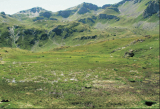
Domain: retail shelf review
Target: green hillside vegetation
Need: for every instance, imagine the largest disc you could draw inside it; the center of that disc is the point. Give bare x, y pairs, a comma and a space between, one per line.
111, 11
82, 57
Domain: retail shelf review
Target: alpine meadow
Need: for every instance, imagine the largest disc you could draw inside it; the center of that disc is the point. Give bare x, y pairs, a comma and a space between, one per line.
82, 57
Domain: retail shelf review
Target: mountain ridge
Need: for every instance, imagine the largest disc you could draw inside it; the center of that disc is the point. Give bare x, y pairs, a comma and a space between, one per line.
89, 7
41, 28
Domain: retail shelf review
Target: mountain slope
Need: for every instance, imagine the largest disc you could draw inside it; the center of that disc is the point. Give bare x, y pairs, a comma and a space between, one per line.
38, 28
80, 9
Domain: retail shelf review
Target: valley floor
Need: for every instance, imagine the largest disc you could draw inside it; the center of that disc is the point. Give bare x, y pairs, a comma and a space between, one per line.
97, 75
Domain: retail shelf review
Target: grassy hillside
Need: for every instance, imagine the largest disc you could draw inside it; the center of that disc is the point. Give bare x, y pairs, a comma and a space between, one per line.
93, 20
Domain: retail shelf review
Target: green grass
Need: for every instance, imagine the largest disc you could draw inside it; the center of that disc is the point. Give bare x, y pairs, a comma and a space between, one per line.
110, 11
142, 5
82, 76
153, 18
74, 72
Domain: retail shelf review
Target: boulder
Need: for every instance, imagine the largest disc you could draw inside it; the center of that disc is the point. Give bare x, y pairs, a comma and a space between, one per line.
129, 54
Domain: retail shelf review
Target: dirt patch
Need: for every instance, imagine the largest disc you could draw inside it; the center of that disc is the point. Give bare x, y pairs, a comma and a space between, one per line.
24, 62
28, 93
122, 99
35, 79
109, 84
12, 84
2, 62
27, 105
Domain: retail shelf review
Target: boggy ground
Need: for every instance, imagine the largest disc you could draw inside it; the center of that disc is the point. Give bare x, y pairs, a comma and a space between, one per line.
90, 76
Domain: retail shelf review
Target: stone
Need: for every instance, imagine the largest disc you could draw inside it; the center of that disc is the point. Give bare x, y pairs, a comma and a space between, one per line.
129, 54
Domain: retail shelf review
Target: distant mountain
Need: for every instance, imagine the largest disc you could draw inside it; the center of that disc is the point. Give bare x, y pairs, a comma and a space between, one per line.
92, 9
80, 9
38, 28
37, 13
33, 12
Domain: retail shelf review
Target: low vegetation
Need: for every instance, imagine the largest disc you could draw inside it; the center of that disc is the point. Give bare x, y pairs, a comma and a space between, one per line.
82, 57
83, 76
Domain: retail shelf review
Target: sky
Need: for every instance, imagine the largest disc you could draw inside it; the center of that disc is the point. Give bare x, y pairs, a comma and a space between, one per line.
14, 6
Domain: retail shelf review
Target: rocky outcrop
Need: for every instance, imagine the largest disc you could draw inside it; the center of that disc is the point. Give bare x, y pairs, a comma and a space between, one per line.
80, 9
129, 54
153, 8
93, 19
90, 6
44, 37
19, 36
137, 1
3, 14
114, 8
53, 19
105, 16
66, 13
86, 20
68, 30
33, 10
58, 30
46, 14
38, 18
105, 6
87, 7
86, 37
65, 30
120, 3
83, 10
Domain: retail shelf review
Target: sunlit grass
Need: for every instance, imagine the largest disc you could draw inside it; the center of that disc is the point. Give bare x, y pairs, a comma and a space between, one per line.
82, 76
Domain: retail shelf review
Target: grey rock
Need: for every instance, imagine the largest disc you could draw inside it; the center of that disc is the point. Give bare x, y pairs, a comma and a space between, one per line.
137, 1
105, 16
129, 54
153, 8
